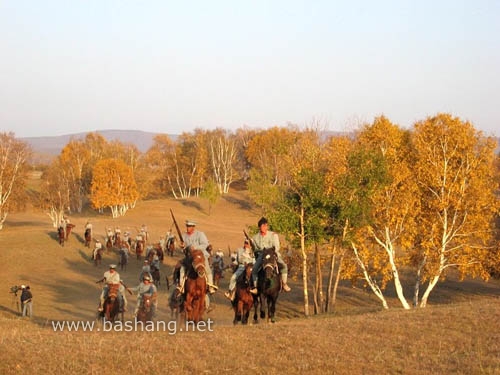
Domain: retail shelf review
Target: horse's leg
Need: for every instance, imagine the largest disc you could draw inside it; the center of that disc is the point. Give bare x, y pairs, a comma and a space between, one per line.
272, 309
255, 309
262, 298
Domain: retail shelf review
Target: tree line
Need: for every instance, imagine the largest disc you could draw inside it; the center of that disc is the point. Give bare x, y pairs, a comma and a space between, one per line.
375, 203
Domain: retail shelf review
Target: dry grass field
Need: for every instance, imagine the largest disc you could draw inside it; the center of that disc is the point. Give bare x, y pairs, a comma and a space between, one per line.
458, 333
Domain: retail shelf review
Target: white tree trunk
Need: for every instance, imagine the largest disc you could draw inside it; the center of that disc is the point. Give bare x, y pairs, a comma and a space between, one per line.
373, 285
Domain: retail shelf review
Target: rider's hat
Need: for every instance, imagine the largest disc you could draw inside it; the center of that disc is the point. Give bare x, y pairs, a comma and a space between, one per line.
23, 286
112, 266
146, 277
190, 223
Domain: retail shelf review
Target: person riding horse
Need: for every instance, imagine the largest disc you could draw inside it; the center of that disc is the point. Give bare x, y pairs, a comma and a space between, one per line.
244, 256
146, 287
111, 278
194, 239
266, 239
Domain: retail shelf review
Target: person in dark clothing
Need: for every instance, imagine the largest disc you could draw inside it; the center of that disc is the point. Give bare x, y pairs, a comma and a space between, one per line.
27, 301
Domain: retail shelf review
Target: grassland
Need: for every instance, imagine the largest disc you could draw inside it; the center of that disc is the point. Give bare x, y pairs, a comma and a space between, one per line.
457, 333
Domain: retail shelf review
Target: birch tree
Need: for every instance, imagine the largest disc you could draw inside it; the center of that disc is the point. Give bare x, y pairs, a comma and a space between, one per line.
395, 206
454, 166
222, 153
113, 186
13, 165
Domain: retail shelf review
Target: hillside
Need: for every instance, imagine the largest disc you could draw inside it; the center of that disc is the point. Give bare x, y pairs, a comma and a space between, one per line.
45, 148
63, 283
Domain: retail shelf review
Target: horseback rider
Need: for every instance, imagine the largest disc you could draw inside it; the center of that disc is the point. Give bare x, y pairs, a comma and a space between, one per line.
244, 256
144, 232
145, 287
218, 263
194, 239
110, 278
266, 239
110, 235
97, 247
146, 271
88, 226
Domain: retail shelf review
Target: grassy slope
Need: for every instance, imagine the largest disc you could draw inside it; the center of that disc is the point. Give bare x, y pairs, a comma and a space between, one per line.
457, 333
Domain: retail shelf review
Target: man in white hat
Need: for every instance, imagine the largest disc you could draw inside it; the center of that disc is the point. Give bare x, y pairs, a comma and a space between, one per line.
194, 239
145, 287
111, 277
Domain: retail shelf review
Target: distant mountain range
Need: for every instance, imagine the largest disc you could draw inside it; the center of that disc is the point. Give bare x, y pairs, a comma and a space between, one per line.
46, 148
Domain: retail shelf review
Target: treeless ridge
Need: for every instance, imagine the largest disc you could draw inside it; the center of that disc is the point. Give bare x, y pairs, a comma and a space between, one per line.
457, 334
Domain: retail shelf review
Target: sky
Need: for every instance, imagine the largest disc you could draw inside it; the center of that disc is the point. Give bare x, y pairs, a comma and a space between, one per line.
173, 66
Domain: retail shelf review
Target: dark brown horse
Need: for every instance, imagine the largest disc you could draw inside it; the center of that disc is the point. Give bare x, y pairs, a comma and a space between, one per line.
88, 237
268, 285
170, 246
69, 227
145, 312
61, 235
217, 272
244, 300
123, 257
155, 272
195, 286
111, 308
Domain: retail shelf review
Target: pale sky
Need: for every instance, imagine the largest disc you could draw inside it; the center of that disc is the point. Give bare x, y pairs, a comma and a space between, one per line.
74, 66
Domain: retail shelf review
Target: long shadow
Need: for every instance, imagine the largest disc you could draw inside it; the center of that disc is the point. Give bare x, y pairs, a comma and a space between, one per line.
28, 223
243, 204
192, 204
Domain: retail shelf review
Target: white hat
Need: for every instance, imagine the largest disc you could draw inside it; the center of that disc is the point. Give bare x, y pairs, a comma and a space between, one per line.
23, 286
190, 223
112, 266
146, 277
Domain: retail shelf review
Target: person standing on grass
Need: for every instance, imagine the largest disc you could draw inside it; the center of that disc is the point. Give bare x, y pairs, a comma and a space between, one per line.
266, 239
27, 301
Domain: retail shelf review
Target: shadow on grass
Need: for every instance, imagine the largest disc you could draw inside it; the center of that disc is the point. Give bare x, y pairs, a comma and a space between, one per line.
241, 203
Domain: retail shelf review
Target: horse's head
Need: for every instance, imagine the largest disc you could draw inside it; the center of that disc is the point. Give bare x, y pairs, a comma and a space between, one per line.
248, 270
147, 301
269, 261
113, 291
198, 262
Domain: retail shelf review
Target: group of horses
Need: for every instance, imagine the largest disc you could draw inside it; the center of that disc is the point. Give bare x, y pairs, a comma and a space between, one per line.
268, 287
193, 302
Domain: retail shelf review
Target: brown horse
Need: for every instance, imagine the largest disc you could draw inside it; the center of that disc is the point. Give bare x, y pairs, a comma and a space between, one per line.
244, 300
145, 312
69, 227
61, 235
97, 257
111, 308
139, 248
109, 243
88, 237
195, 286
217, 272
